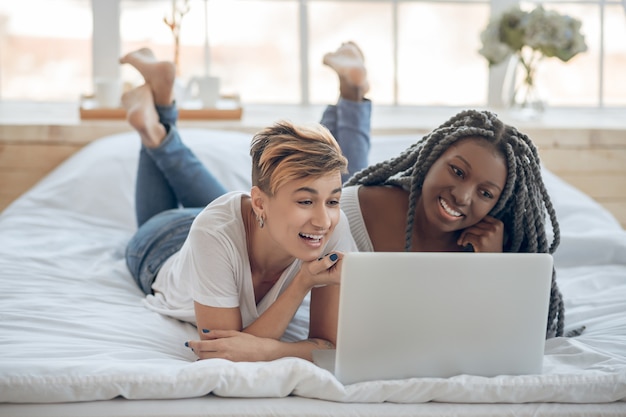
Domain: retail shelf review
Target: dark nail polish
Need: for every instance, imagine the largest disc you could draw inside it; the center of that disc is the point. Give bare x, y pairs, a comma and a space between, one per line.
186, 344
205, 330
334, 257
468, 248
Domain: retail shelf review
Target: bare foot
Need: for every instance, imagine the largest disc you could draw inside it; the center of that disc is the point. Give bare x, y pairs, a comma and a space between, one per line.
349, 64
159, 75
142, 116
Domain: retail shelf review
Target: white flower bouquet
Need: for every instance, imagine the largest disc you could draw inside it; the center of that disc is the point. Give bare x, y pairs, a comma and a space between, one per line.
531, 36
545, 32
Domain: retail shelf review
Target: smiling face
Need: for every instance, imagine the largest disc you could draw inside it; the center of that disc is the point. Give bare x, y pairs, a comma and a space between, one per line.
302, 214
463, 185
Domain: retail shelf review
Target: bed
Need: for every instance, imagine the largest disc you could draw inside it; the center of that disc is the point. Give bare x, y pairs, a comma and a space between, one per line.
77, 340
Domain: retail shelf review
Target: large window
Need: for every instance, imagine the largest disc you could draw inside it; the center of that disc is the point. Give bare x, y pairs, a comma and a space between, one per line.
45, 49
418, 52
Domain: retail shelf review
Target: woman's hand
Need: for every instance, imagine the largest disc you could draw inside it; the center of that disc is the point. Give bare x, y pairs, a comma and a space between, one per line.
234, 346
273, 322
243, 347
485, 236
323, 271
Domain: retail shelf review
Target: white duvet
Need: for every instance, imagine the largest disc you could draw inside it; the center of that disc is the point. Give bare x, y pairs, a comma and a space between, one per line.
73, 326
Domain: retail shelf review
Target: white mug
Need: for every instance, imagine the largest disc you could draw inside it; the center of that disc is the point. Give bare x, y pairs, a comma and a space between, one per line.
206, 89
108, 92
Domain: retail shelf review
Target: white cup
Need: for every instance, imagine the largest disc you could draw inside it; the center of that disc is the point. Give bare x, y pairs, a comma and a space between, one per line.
108, 92
206, 89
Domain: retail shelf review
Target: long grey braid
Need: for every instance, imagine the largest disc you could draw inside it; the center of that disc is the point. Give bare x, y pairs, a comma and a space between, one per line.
524, 201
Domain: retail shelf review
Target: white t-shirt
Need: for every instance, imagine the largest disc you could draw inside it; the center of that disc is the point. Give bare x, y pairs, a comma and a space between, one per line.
352, 208
213, 268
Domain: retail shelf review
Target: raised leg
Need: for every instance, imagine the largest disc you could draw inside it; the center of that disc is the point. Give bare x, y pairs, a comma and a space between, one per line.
350, 119
169, 174
349, 64
142, 115
159, 75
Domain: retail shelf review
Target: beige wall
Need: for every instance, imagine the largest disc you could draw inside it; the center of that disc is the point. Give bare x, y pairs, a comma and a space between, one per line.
594, 161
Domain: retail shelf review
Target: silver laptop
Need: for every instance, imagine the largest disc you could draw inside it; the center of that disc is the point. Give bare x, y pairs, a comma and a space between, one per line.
404, 315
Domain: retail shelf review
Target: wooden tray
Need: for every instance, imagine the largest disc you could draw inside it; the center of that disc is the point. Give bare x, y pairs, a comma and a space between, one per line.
228, 108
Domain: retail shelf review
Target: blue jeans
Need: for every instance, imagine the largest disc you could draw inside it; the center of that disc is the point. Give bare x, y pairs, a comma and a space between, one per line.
173, 185
349, 122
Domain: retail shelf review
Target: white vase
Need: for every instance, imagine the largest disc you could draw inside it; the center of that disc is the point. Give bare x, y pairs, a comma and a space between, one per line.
520, 91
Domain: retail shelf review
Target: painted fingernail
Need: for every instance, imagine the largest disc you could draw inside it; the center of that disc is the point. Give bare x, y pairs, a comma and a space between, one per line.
468, 248
186, 344
334, 257
205, 330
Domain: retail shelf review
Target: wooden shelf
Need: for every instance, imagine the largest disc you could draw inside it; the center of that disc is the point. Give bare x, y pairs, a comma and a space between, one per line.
228, 108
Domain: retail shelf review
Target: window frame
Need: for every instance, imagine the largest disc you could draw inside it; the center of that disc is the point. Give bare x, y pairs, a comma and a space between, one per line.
106, 43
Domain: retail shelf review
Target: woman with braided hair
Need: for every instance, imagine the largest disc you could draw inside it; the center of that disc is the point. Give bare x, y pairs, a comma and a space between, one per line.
473, 183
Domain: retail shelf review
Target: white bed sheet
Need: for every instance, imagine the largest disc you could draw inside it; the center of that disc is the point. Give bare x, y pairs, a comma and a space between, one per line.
73, 326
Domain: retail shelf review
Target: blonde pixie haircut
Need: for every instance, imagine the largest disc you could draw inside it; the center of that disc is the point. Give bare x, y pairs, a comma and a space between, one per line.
285, 152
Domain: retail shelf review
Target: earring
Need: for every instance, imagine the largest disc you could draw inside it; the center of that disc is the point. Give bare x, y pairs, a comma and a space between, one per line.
259, 219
